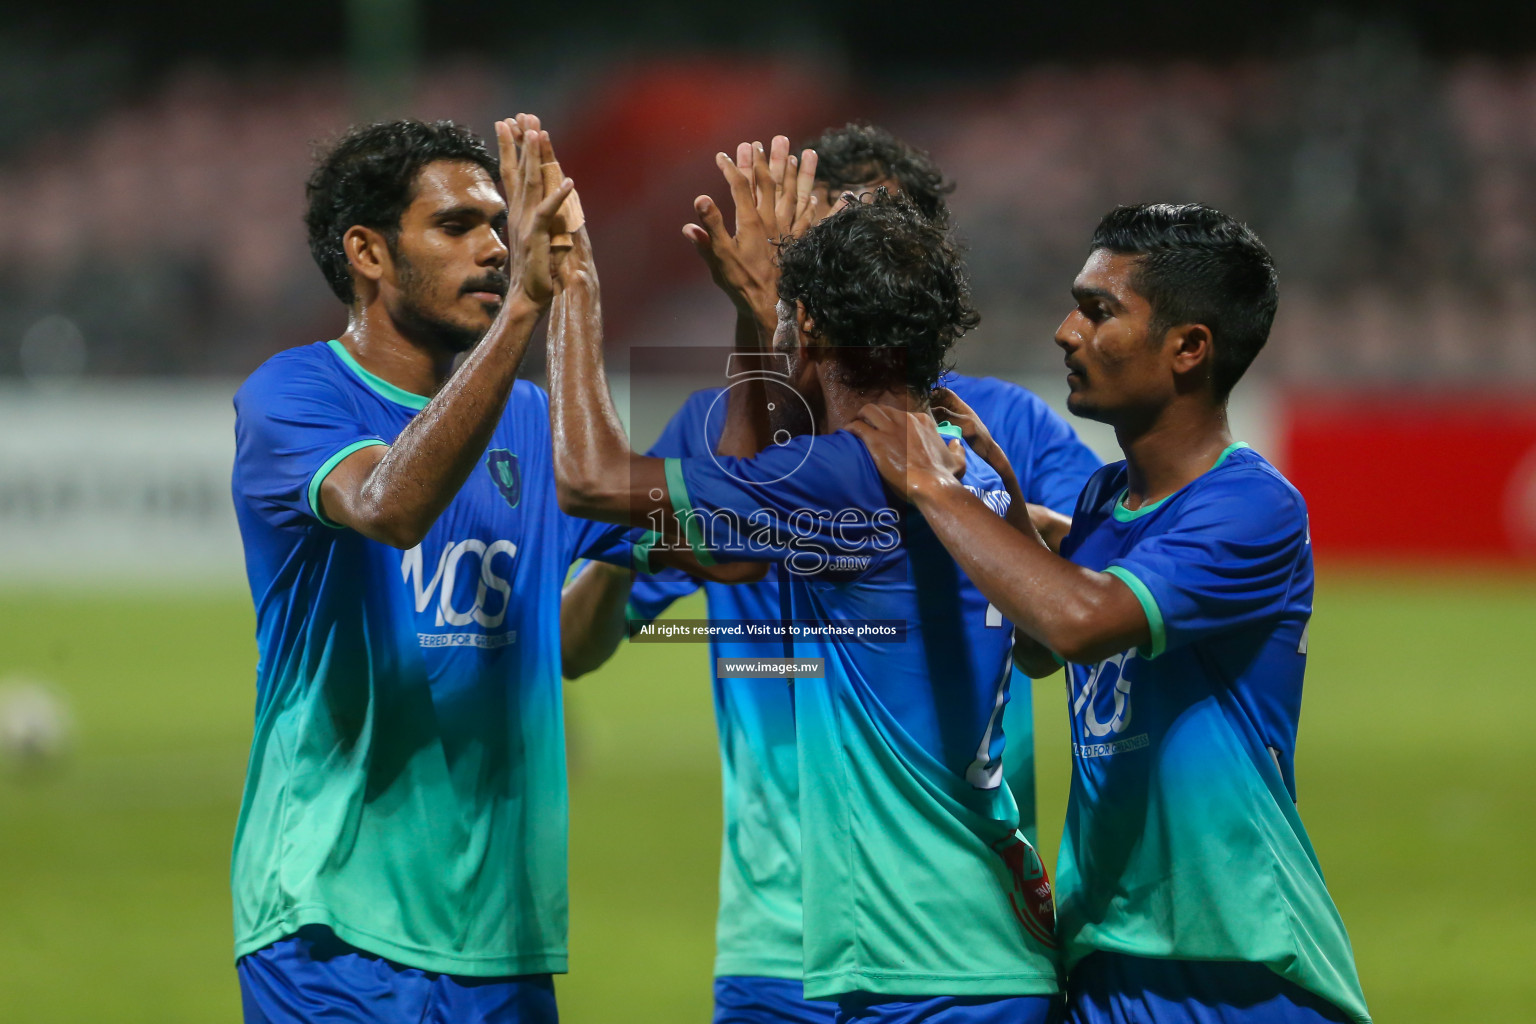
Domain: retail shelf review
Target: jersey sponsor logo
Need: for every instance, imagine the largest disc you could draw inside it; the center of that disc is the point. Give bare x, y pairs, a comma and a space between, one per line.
484, 641
503, 467
1136, 742
997, 500
1030, 890
463, 560
1102, 707
1104, 702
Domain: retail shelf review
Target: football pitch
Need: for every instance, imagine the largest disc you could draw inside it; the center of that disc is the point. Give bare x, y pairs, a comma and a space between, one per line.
1416, 764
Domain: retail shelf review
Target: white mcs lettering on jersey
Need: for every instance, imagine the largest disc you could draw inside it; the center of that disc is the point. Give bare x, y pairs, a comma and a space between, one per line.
445, 577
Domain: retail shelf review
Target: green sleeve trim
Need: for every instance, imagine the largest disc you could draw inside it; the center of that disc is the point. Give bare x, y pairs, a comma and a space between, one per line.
682, 507
1148, 605
383, 387
325, 470
640, 554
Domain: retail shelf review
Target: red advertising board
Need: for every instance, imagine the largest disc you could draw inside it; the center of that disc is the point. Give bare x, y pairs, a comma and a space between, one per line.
1417, 477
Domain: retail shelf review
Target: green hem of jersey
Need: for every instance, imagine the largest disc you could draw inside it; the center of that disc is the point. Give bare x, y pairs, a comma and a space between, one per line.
728, 966
905, 983
1148, 604
383, 387
1126, 515
325, 471
410, 956
682, 507
640, 555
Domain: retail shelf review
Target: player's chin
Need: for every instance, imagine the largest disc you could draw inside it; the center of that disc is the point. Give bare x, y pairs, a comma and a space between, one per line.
1080, 403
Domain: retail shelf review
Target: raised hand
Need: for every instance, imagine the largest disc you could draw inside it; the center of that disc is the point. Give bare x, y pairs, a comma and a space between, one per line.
783, 186
525, 148
772, 197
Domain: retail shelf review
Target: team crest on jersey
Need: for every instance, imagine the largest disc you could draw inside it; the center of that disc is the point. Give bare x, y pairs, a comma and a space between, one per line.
502, 465
1030, 891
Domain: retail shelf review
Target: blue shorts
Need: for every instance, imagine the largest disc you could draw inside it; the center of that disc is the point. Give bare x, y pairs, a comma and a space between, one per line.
867, 1009
314, 976
750, 1000
1110, 988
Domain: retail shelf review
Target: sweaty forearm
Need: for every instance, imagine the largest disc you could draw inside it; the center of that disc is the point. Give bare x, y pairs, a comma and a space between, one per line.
411, 485
1082, 615
597, 474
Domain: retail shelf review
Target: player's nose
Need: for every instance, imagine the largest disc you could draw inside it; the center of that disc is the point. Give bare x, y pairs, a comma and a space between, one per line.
1068, 335
494, 253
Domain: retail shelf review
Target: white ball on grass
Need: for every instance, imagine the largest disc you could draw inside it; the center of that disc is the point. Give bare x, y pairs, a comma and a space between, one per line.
36, 727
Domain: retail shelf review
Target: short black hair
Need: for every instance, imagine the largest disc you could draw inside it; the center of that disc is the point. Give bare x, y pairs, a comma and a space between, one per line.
857, 154
368, 177
1198, 265
884, 284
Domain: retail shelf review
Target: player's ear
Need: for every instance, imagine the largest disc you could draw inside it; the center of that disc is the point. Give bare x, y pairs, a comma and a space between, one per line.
1193, 351
805, 324
367, 252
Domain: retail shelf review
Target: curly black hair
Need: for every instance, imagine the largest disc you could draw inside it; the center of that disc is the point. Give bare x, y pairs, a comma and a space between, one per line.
886, 286
1196, 265
368, 177
857, 154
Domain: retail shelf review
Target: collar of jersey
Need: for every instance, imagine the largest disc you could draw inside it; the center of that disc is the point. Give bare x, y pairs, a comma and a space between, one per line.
1125, 515
383, 387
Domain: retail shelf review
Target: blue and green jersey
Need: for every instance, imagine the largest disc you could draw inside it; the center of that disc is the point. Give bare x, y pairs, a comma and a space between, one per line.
758, 927
1182, 839
914, 877
406, 784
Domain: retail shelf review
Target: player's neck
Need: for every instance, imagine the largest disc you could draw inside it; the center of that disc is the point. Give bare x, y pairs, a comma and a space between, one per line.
383, 350
843, 404
1174, 448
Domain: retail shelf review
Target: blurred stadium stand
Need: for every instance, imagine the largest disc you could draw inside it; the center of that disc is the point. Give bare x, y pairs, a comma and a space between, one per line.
159, 237
1399, 196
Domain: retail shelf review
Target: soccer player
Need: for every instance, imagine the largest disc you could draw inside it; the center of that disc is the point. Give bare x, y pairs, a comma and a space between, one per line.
1189, 891
758, 959
921, 900
401, 848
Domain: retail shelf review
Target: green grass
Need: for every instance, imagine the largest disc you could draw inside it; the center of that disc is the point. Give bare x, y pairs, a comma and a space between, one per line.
1416, 774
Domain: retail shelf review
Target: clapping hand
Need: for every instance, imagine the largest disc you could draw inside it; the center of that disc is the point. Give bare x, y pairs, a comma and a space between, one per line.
773, 196
525, 148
